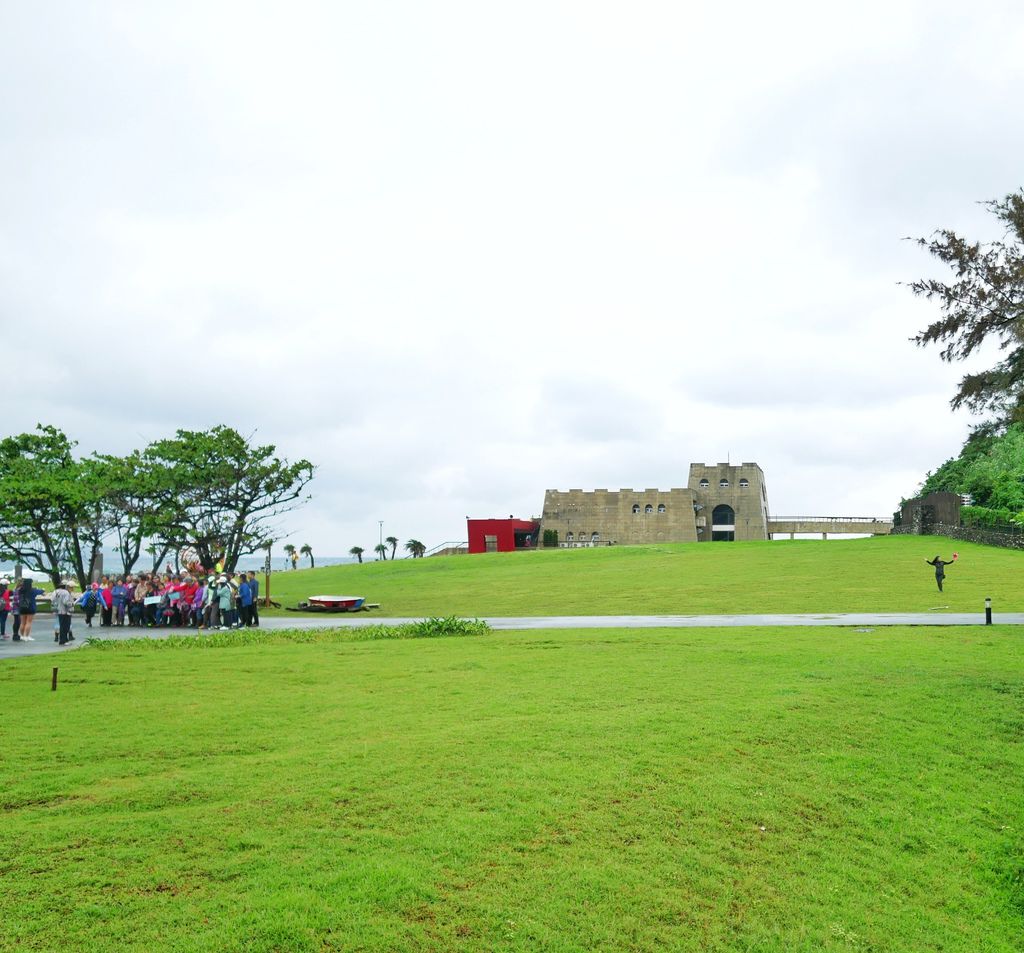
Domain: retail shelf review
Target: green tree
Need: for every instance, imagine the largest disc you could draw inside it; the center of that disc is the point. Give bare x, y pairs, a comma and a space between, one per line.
214, 491
983, 302
357, 551
989, 469
126, 499
392, 541
415, 548
307, 551
381, 550
52, 516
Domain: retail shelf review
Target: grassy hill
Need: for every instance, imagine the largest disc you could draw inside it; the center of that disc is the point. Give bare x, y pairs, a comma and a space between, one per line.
877, 574
789, 791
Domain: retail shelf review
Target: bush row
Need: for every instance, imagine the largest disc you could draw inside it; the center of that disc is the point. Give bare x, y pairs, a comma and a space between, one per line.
424, 629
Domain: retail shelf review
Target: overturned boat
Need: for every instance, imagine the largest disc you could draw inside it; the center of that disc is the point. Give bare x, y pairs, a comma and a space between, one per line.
333, 604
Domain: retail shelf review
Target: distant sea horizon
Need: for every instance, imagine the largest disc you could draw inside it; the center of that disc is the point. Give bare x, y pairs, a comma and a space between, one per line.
112, 563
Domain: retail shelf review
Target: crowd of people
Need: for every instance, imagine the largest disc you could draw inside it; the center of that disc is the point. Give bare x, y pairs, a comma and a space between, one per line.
147, 600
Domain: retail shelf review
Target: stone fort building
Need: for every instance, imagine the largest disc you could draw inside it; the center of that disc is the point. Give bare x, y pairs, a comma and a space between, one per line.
720, 503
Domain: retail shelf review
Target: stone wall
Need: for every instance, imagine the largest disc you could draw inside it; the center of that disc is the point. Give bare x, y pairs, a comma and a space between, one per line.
967, 534
679, 515
600, 517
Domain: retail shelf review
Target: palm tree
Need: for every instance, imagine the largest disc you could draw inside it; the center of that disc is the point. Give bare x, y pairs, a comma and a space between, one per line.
306, 550
381, 550
356, 551
392, 541
415, 547
290, 553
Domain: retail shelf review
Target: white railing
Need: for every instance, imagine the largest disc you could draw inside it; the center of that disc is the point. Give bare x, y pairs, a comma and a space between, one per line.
829, 519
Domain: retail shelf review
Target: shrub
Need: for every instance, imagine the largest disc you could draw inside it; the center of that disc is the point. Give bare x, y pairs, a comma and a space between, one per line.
424, 629
550, 537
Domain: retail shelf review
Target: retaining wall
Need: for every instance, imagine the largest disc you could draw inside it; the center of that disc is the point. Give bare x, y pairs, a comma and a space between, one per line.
968, 534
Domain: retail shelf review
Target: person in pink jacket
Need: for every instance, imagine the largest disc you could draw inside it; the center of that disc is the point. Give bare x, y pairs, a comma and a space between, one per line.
5, 605
106, 603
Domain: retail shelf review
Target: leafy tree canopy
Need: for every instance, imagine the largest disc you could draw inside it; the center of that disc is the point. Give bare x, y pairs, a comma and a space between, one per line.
50, 504
984, 301
214, 491
210, 491
989, 469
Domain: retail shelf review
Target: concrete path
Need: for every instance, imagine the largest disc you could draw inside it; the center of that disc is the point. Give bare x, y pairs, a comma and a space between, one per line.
43, 631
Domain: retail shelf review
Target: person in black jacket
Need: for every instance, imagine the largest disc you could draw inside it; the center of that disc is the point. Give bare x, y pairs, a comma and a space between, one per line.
940, 568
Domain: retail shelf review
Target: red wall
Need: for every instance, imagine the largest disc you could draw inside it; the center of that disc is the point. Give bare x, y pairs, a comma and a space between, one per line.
505, 530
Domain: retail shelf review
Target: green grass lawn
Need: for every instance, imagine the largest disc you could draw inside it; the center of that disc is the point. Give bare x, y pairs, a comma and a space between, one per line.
755, 789
882, 574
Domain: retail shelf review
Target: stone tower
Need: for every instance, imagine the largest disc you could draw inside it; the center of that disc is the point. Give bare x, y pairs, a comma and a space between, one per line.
731, 501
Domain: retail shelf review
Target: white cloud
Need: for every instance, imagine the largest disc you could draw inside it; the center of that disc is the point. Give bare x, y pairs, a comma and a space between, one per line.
456, 254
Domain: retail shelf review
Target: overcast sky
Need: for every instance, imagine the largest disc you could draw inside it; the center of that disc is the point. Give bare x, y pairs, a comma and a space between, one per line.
458, 253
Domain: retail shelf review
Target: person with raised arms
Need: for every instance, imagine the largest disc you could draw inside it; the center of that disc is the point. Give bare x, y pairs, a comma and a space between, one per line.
940, 567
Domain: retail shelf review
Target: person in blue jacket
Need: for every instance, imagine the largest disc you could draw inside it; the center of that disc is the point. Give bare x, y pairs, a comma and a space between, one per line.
119, 598
245, 600
254, 588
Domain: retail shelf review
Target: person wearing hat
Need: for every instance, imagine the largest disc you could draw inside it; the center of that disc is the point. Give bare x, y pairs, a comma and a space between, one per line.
211, 608
225, 600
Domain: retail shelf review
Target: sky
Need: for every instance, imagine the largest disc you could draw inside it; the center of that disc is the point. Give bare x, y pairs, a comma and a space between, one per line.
458, 253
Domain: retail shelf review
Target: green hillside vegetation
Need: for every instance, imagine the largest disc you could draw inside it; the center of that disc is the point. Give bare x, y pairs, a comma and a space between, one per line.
693, 790
881, 574
989, 469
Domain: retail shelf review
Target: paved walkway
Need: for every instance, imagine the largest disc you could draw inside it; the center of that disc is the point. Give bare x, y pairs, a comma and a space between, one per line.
44, 644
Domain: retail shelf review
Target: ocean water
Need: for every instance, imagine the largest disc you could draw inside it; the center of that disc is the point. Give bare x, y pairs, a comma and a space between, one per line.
112, 563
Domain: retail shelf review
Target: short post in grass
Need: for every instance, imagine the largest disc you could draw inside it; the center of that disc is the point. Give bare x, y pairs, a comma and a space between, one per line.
53, 681
988, 611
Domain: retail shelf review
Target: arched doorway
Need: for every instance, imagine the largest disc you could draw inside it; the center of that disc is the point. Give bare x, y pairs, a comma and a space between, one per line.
723, 524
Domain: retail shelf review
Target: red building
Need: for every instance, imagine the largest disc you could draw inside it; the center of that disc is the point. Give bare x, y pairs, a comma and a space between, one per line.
501, 536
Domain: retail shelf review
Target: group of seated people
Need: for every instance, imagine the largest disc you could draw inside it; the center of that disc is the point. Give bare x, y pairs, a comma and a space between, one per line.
224, 601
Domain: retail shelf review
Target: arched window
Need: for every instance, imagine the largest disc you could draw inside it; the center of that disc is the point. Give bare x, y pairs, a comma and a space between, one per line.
568, 537
744, 484
723, 524
594, 537
723, 483
636, 508
661, 507
704, 483
648, 508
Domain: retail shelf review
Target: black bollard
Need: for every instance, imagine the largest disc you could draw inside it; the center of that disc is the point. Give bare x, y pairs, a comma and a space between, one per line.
988, 611
53, 683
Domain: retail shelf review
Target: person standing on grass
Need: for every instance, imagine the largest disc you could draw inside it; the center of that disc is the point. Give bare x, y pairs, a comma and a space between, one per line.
5, 605
62, 606
940, 567
27, 609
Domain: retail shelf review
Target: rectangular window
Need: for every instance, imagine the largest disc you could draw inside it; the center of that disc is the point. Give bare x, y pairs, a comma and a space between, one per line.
490, 544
